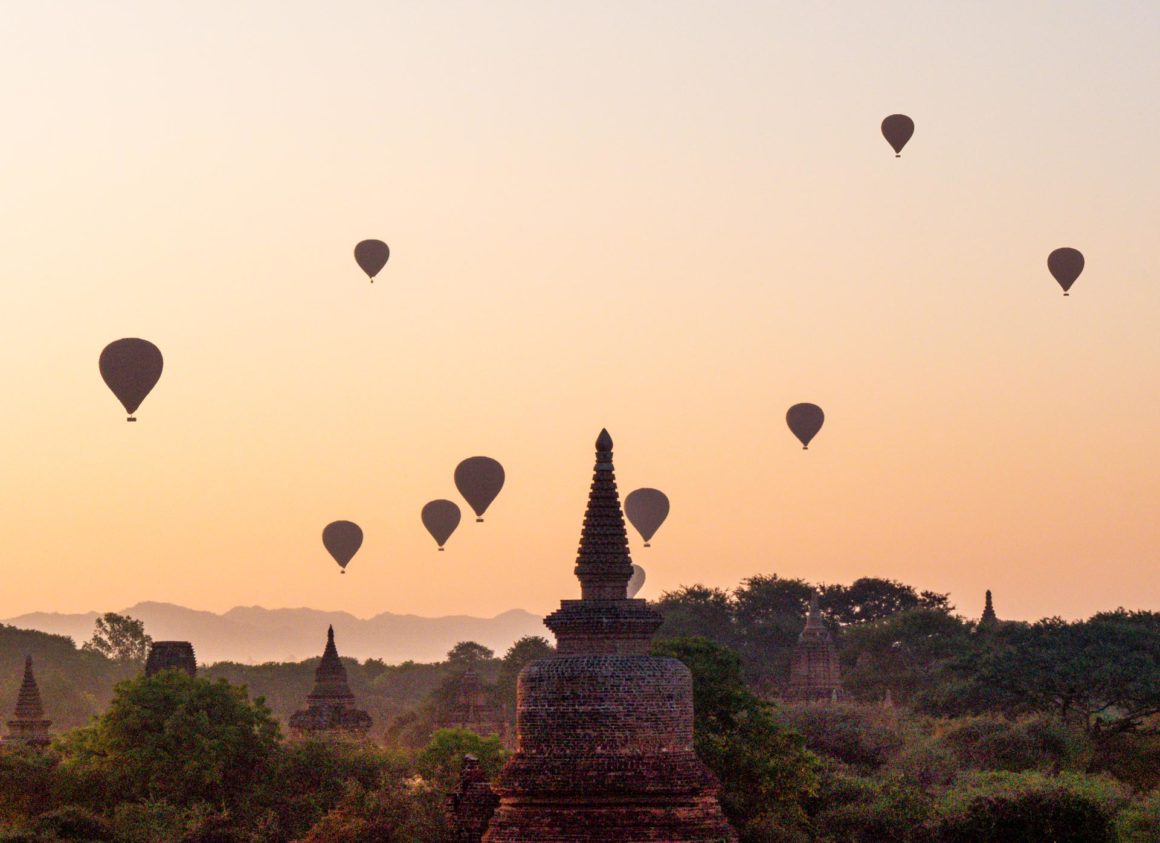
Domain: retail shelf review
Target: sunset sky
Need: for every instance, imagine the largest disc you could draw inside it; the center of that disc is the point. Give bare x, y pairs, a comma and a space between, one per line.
670, 219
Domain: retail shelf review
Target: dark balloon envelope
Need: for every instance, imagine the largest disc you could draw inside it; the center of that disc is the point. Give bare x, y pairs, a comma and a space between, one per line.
371, 256
342, 539
636, 581
805, 420
1065, 266
479, 480
897, 129
646, 509
441, 517
131, 368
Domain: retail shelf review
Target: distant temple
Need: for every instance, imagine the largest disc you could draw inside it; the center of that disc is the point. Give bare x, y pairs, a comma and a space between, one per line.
470, 806
330, 713
29, 726
171, 655
989, 618
472, 710
814, 673
604, 731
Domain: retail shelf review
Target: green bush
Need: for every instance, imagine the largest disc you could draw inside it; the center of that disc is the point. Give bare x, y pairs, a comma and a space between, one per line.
858, 809
1140, 821
1018, 807
863, 736
71, 822
994, 743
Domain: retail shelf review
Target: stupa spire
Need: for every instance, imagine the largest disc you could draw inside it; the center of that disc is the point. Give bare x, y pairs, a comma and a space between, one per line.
28, 704
603, 564
989, 616
330, 712
28, 726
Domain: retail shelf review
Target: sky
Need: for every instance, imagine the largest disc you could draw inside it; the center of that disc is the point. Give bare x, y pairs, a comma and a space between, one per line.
671, 219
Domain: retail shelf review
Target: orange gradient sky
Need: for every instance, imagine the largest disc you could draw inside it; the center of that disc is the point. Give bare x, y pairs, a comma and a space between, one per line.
673, 219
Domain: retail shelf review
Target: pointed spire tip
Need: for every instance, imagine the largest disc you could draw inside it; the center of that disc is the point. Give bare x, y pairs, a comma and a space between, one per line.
604, 441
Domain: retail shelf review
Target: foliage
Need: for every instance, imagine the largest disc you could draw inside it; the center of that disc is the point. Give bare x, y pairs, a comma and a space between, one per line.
120, 638
852, 808
699, 611
392, 812
766, 775
178, 738
870, 599
523, 652
442, 759
27, 779
1102, 674
1068, 808
862, 736
467, 654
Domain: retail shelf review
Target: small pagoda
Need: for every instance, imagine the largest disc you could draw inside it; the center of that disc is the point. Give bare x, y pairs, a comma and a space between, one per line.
171, 655
330, 714
28, 728
471, 709
469, 808
604, 731
815, 674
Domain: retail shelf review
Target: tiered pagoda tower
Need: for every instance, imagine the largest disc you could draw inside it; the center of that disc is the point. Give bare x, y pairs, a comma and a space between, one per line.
814, 673
330, 713
171, 655
472, 710
469, 808
604, 731
29, 726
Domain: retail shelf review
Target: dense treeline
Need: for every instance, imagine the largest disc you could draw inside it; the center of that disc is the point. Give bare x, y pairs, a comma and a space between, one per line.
953, 730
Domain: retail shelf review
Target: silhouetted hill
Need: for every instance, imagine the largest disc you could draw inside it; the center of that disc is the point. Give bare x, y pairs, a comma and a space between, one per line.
253, 635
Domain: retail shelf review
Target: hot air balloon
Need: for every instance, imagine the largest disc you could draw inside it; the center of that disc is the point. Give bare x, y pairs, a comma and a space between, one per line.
131, 368
342, 539
1065, 264
647, 509
372, 256
805, 420
636, 581
479, 480
441, 518
897, 129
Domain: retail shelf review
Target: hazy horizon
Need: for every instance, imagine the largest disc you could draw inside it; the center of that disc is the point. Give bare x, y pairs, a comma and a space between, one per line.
673, 220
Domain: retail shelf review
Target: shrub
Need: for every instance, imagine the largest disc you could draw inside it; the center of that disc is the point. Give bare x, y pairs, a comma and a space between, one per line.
1016, 807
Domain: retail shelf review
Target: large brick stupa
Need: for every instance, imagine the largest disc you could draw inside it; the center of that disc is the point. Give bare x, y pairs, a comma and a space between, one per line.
604, 731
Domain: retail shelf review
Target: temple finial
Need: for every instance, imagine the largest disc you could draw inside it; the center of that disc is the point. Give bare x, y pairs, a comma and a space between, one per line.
602, 563
330, 634
604, 441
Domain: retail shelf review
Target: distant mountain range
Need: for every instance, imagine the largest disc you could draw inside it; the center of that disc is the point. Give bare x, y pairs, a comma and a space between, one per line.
252, 635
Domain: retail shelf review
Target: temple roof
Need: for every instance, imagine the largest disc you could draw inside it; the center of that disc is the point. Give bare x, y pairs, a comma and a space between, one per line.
330, 676
28, 704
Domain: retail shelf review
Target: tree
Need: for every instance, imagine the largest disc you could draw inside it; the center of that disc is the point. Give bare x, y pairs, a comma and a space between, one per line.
696, 610
766, 775
528, 649
770, 613
1102, 674
177, 738
467, 654
908, 653
120, 638
870, 599
442, 759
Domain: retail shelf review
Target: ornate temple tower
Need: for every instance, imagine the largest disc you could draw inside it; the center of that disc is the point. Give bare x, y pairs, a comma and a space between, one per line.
330, 713
472, 710
29, 726
171, 655
604, 731
814, 673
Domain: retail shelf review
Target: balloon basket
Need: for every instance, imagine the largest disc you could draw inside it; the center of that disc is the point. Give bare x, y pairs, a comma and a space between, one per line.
134, 418
342, 572
478, 520
440, 550
646, 544
1067, 294
805, 447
